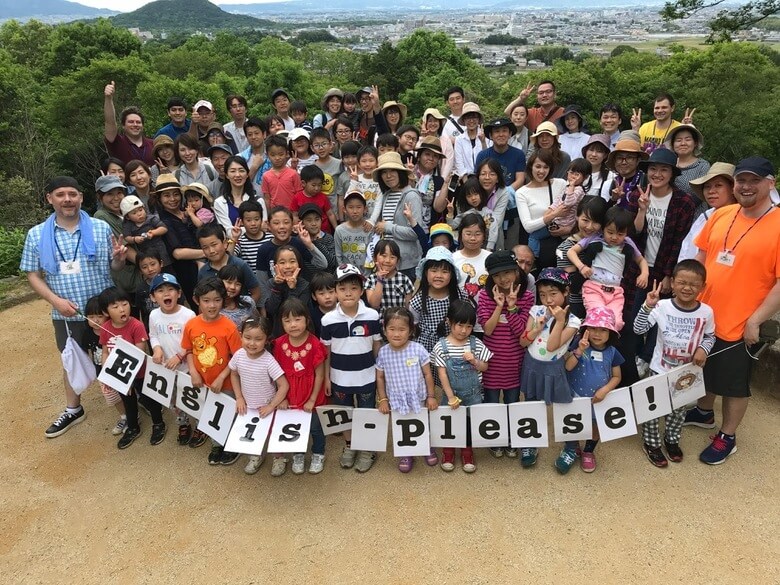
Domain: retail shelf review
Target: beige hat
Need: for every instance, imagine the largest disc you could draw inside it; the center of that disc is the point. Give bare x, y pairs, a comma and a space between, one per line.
544, 128
718, 169
162, 141
470, 108
697, 136
167, 181
332, 92
389, 160
394, 104
433, 112
631, 146
430, 143
200, 189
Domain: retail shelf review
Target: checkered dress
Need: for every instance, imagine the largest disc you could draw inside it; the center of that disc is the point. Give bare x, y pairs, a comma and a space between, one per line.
394, 290
436, 312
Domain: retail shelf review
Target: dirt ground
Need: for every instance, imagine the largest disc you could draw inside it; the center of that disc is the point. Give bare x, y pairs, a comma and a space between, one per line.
77, 510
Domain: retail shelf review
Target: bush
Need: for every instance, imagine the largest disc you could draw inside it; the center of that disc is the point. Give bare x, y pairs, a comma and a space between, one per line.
11, 244
21, 207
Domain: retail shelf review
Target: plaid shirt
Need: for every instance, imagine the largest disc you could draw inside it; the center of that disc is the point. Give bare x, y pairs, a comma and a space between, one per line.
679, 218
95, 276
394, 290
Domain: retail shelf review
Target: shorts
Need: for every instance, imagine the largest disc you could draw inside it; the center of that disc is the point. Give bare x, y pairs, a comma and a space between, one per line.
111, 395
728, 373
78, 330
364, 400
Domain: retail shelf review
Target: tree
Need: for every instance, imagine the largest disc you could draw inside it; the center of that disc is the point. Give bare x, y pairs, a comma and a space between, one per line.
620, 49
726, 22
504, 39
549, 54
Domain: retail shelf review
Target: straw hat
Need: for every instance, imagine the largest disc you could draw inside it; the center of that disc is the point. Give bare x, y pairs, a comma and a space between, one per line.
718, 169
431, 143
697, 136
433, 112
389, 160
393, 104
162, 141
332, 92
470, 108
200, 189
629, 146
544, 128
165, 182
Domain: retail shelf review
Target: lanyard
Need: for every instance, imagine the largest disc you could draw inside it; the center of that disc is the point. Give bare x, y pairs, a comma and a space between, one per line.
747, 231
75, 253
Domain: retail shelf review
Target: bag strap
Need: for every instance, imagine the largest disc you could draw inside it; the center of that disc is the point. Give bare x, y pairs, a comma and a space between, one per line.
455, 123
549, 190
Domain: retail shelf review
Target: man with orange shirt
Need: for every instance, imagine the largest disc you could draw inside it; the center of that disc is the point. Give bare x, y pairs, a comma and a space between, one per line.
740, 247
546, 111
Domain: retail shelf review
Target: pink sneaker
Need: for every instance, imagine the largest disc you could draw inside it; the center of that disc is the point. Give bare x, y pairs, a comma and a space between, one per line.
588, 462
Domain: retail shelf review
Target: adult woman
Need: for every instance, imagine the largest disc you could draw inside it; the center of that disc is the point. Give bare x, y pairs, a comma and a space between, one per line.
395, 114
624, 160
433, 125
546, 139
236, 189
113, 166
393, 178
686, 141
491, 180
469, 144
139, 176
331, 106
182, 244
519, 115
572, 137
596, 152
429, 182
715, 189
216, 135
164, 157
343, 131
275, 124
191, 169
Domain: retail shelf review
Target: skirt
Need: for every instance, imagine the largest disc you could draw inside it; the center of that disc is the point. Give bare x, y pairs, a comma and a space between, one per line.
545, 381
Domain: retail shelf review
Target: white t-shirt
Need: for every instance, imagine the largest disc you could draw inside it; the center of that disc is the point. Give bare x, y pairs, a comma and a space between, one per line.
257, 376
599, 187
538, 348
655, 219
166, 330
680, 332
532, 203
471, 270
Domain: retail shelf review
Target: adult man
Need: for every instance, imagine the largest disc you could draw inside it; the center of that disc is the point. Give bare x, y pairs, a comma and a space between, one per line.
131, 144
740, 247
653, 134
610, 119
455, 99
281, 102
219, 153
546, 111
203, 118
371, 121
179, 124
68, 259
236, 105
256, 130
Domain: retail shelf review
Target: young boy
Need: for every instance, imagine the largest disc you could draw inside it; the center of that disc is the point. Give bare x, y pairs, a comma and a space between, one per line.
386, 143
212, 331
364, 182
351, 240
686, 333
143, 230
351, 332
255, 156
323, 298
166, 326
214, 244
312, 178
281, 182
150, 266
300, 115
407, 142
252, 236
349, 162
310, 216
322, 144
120, 324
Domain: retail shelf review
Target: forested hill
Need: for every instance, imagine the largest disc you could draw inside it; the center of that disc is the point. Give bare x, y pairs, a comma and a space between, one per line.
173, 15
48, 8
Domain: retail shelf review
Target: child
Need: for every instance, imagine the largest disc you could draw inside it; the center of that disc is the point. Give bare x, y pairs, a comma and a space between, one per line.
386, 143
350, 239
252, 236
312, 178
550, 328
470, 259
301, 153
460, 358
386, 287
330, 166
442, 235
351, 334
143, 230
96, 319
213, 331
578, 173
150, 265
686, 333
502, 310
363, 180
237, 307
604, 263
349, 162
404, 382
286, 284
300, 114
214, 244
115, 305
253, 372
199, 203
438, 287
323, 298
310, 216
280, 183
302, 357
593, 371
422, 236
470, 198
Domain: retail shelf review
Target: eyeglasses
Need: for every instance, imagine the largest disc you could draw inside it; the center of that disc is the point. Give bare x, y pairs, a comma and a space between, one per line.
320, 145
344, 131
626, 157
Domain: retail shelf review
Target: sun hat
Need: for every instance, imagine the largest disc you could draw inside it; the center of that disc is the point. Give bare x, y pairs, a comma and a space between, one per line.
213, 149
438, 229
601, 317
556, 275
500, 123
389, 160
161, 279
433, 112
435, 254
756, 165
277, 92
162, 141
167, 181
344, 271
203, 104
500, 261
601, 139
661, 156
626, 145
297, 133
470, 108
307, 208
697, 136
200, 189
105, 183
718, 169
332, 92
129, 203
544, 128
430, 143
393, 104
367, 90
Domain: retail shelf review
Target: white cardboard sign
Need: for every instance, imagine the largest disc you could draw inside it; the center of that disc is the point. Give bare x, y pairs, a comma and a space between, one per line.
218, 414
190, 399
122, 366
159, 383
615, 415
411, 436
369, 430
528, 424
249, 433
651, 398
573, 421
448, 427
686, 385
290, 431
335, 419
489, 425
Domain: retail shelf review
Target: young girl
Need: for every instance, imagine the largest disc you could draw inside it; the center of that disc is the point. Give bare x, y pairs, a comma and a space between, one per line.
237, 307
199, 202
593, 371
258, 381
301, 153
566, 202
302, 357
386, 287
502, 310
596, 152
550, 328
286, 284
460, 358
438, 286
404, 381
470, 259
469, 198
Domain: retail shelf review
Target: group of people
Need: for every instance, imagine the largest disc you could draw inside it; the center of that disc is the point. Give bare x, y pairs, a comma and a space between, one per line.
357, 259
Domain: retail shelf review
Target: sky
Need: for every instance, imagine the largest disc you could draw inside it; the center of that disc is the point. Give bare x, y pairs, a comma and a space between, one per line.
130, 5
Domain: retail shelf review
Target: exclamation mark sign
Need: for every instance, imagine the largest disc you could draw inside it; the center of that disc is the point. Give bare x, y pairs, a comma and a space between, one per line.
650, 390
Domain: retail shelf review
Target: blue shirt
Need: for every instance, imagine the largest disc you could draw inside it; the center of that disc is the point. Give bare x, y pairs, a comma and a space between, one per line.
247, 156
512, 161
173, 131
594, 369
250, 280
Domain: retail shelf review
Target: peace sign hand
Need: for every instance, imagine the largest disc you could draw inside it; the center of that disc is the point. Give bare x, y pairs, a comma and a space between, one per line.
688, 117
498, 296
235, 230
584, 343
353, 172
617, 192
511, 298
118, 248
644, 198
636, 119
559, 313
653, 295
293, 280
527, 91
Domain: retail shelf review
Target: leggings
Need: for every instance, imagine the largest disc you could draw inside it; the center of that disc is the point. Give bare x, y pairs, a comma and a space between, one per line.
131, 406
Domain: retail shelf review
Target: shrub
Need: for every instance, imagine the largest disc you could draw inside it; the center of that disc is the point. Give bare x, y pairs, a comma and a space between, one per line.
11, 244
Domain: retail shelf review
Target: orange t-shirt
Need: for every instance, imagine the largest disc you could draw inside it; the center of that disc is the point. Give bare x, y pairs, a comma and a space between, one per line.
280, 186
735, 292
212, 343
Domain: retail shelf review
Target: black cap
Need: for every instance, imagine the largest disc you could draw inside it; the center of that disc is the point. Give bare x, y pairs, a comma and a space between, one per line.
308, 208
757, 165
500, 261
277, 92
500, 123
62, 181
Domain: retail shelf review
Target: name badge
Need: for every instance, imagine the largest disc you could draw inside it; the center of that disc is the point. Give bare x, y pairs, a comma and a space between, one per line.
412, 361
726, 258
597, 356
72, 267
298, 367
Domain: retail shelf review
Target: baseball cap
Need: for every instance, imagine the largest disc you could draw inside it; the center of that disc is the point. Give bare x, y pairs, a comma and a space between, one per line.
556, 275
277, 92
344, 271
130, 203
500, 261
756, 165
216, 147
203, 104
307, 208
105, 183
297, 133
354, 193
161, 279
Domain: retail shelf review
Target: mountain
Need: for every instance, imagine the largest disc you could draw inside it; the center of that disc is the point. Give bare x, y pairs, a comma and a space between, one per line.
178, 15
48, 10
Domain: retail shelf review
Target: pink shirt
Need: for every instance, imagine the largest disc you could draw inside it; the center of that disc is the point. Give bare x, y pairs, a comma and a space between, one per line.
257, 376
280, 186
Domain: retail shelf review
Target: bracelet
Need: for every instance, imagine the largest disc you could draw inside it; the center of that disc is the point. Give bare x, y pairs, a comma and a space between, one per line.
431, 396
526, 336
647, 308
231, 242
455, 400
380, 279
381, 400
512, 310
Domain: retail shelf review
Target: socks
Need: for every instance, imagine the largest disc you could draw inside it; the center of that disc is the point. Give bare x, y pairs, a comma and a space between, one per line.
75, 410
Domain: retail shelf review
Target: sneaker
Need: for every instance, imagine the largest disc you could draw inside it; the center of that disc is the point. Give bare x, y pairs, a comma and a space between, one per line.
364, 461
432, 458
528, 456
588, 461
317, 463
642, 367
448, 459
128, 437
215, 455
720, 448
298, 464
64, 422
565, 460
120, 426
497, 452
185, 434
405, 464
655, 455
229, 458
347, 458
197, 439
467, 460
158, 433
279, 466
673, 452
510, 452
696, 417
253, 465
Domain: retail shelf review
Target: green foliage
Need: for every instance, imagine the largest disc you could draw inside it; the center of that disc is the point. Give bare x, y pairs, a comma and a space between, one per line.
726, 22
186, 15
620, 49
549, 54
504, 39
21, 206
313, 36
11, 245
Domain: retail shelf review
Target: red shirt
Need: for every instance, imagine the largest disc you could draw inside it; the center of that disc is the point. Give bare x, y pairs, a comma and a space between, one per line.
536, 116
320, 200
126, 151
299, 363
133, 332
212, 343
280, 186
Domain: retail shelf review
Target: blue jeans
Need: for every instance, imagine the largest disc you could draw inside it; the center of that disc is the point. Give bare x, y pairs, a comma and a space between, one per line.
510, 395
535, 240
366, 400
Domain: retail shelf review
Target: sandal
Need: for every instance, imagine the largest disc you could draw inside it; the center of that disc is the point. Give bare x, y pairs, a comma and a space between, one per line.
432, 459
405, 464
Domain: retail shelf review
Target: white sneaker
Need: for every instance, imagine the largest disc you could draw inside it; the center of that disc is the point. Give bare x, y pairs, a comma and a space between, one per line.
298, 464
317, 463
279, 466
253, 465
120, 426
347, 458
642, 367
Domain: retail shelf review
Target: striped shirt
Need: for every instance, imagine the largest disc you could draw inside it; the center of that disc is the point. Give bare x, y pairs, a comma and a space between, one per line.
247, 248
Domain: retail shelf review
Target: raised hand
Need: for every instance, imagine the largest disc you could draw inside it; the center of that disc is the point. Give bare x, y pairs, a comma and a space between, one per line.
617, 191
688, 117
644, 198
511, 298
584, 343
109, 90
293, 280
408, 212
559, 313
498, 296
636, 119
118, 248
653, 295
527, 91
353, 172
375, 95
235, 230
303, 234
